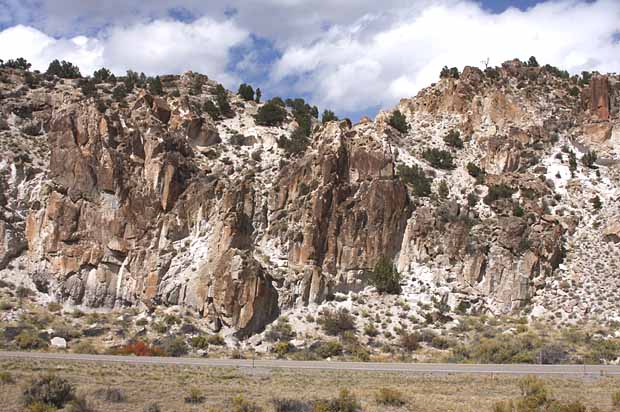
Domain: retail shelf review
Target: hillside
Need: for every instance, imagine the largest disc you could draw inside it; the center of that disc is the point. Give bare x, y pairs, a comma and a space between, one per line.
498, 196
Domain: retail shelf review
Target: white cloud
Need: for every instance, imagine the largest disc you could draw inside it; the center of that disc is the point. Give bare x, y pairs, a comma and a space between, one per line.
39, 48
378, 60
156, 47
285, 22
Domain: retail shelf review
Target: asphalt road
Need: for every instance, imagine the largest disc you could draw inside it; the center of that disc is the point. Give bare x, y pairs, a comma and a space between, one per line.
421, 368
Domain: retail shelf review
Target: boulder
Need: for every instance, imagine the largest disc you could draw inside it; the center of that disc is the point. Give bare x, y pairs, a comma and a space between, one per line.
58, 342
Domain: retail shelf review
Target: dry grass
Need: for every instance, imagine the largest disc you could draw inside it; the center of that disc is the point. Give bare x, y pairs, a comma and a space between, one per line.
169, 385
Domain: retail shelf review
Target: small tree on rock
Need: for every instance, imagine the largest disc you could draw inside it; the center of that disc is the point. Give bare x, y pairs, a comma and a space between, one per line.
64, 70
453, 139
271, 114
328, 116
259, 94
155, 86
246, 92
589, 159
397, 121
385, 277
102, 75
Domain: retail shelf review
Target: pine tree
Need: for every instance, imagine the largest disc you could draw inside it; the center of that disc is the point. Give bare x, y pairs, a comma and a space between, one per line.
397, 121
246, 92
155, 86
328, 116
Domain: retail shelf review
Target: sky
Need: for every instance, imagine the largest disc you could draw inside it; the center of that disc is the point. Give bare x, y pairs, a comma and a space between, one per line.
352, 56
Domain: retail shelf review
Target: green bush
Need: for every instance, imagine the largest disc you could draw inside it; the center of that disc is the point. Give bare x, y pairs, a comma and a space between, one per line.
497, 192
532, 62
216, 340
397, 121
615, 399
64, 69
344, 402
385, 277
371, 330
589, 159
194, 396
447, 73
240, 404
155, 86
6, 378
329, 349
281, 348
174, 346
280, 331
271, 114
415, 177
336, 322
19, 63
475, 171
29, 340
85, 347
152, 407
297, 143
48, 390
290, 405
410, 342
443, 191
199, 342
328, 116
88, 88
211, 109
453, 139
102, 75
439, 159
574, 91
119, 93
79, 404
472, 199
221, 97
40, 407
113, 395
246, 92
390, 397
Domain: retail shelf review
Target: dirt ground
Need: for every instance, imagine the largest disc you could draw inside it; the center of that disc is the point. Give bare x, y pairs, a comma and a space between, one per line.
168, 385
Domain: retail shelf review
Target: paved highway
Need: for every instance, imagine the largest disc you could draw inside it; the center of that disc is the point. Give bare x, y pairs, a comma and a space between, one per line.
421, 368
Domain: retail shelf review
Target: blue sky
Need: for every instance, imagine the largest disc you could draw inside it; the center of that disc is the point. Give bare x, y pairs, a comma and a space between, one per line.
347, 55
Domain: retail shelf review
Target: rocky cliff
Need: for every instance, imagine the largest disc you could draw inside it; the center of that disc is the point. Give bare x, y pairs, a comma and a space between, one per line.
149, 201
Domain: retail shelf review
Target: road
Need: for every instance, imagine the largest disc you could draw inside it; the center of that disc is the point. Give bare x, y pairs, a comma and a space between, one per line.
419, 368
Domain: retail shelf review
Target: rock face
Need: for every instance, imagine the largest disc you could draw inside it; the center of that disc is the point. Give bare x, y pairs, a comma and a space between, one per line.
599, 97
151, 201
